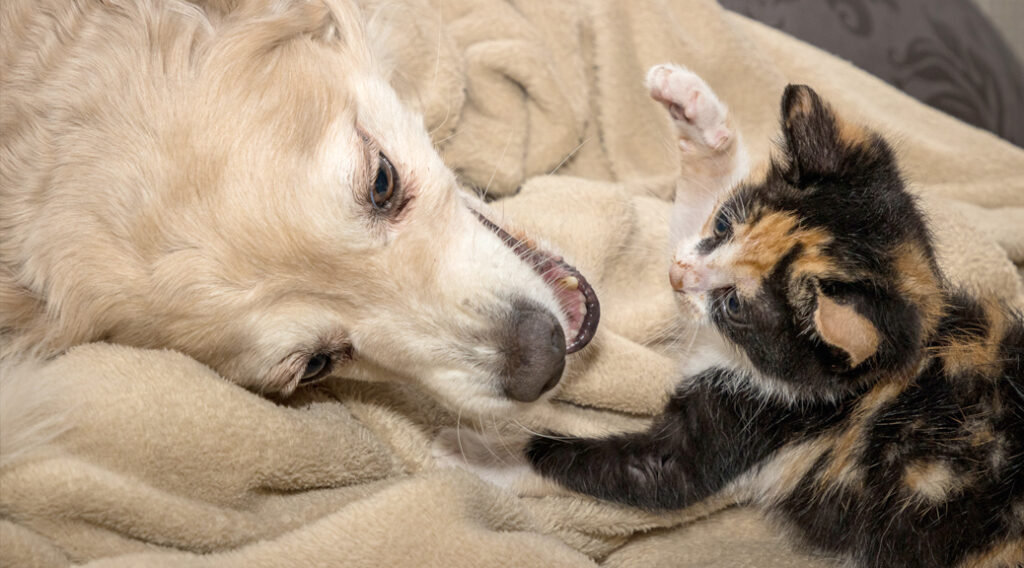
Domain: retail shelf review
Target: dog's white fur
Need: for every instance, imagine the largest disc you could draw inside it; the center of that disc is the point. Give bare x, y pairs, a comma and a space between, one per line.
195, 175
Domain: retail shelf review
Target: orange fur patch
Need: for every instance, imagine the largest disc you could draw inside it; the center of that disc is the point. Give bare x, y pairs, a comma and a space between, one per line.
801, 106
973, 354
764, 243
780, 476
851, 133
918, 282
843, 465
1003, 555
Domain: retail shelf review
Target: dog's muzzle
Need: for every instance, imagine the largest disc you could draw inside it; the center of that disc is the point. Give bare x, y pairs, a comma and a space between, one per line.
539, 339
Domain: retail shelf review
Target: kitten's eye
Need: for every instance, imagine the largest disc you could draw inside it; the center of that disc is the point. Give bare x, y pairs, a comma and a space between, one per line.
316, 367
721, 226
383, 184
732, 305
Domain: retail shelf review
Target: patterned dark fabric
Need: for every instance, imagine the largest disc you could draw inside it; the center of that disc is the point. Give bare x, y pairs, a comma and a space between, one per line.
942, 52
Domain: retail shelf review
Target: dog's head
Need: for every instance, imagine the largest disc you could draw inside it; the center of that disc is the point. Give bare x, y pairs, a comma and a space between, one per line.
239, 182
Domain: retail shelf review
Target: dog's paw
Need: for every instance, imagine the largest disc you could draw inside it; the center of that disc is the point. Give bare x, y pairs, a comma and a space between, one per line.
700, 117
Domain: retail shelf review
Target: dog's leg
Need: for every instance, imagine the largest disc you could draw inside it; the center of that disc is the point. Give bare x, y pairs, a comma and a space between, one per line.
711, 150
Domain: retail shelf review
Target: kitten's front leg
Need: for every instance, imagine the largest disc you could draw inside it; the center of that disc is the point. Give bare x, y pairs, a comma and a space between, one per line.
704, 439
633, 469
712, 154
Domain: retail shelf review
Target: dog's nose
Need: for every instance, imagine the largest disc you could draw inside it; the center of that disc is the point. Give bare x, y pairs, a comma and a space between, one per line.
537, 359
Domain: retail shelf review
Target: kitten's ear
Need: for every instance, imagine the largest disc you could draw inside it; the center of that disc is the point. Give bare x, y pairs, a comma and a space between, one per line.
842, 326
817, 140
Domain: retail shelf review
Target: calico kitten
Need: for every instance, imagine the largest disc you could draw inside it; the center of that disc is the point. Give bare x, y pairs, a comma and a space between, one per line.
837, 380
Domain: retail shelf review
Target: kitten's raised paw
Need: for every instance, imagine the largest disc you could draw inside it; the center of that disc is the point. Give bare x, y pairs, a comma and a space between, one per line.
700, 117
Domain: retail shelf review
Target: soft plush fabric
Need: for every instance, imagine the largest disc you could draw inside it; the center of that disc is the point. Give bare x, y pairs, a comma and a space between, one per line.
541, 104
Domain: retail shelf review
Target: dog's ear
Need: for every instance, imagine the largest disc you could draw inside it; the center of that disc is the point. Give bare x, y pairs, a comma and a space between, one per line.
298, 18
258, 28
327, 20
217, 7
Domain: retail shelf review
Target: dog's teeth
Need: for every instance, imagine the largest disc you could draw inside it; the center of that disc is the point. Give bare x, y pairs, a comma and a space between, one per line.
569, 283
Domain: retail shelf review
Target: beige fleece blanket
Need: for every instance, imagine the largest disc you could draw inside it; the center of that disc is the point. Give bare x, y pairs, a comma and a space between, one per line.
160, 462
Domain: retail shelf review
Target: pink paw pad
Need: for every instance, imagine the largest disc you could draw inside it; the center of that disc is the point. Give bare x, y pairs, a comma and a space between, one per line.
698, 113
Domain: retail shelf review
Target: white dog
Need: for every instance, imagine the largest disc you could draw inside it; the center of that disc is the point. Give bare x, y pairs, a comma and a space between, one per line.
236, 180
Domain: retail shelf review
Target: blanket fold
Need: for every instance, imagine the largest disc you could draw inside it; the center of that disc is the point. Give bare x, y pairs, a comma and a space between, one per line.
541, 104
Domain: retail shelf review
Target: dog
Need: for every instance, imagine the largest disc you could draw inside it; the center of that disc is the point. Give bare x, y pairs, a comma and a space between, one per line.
237, 181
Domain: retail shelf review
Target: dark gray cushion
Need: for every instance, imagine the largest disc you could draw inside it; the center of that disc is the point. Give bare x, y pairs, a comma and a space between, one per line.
942, 52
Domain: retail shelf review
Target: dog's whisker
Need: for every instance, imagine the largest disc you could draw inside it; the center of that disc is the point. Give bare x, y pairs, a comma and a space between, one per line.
488, 446
501, 438
550, 271
569, 155
498, 163
538, 434
437, 56
458, 436
446, 138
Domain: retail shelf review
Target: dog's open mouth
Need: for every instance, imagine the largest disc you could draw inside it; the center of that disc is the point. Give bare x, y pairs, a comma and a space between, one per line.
575, 295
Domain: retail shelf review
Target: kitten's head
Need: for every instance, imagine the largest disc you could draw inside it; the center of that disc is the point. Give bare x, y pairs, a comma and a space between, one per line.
821, 274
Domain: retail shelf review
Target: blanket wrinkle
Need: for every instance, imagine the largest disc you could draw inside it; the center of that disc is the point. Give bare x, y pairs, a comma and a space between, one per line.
165, 464
523, 111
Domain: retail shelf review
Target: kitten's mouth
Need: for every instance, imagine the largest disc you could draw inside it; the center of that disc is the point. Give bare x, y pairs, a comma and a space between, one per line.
574, 294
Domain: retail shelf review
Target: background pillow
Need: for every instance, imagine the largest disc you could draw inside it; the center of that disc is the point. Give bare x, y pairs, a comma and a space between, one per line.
945, 53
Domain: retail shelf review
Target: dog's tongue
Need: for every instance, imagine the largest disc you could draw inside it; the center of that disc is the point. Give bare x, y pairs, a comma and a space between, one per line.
575, 295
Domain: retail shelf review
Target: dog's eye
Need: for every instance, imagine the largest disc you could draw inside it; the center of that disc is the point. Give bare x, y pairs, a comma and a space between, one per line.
384, 184
316, 367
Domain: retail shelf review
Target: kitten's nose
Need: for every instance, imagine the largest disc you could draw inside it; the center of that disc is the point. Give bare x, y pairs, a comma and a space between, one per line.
677, 275
537, 355
694, 275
